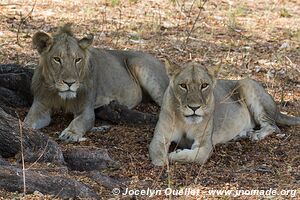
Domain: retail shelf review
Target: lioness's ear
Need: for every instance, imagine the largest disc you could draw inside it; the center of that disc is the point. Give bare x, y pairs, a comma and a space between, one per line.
214, 70
171, 68
86, 41
42, 41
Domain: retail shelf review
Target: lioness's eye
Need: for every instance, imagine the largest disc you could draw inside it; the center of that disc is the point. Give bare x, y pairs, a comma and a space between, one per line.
204, 86
77, 60
183, 85
57, 59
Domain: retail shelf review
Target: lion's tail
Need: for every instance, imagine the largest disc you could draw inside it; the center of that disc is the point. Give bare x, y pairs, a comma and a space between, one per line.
287, 120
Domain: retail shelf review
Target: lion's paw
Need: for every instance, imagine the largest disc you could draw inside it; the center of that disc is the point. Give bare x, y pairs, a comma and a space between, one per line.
174, 155
180, 155
70, 136
158, 162
178, 150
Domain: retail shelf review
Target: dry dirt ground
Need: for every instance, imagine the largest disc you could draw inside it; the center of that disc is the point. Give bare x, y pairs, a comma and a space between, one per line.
258, 39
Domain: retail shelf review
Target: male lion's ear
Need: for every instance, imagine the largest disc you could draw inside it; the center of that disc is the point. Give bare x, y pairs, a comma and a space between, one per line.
86, 41
42, 41
214, 70
171, 69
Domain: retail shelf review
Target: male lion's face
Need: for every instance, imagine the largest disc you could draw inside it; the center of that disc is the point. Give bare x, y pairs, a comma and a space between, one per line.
65, 62
193, 89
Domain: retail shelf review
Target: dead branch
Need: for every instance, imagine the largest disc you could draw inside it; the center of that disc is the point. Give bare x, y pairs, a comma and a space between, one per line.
106, 181
117, 113
15, 83
59, 186
86, 158
37, 146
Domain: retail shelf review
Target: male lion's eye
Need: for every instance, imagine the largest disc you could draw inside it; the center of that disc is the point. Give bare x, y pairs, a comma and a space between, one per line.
183, 85
57, 59
204, 86
77, 60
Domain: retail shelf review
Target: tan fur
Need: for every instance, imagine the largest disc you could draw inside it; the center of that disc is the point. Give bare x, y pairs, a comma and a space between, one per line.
199, 111
79, 78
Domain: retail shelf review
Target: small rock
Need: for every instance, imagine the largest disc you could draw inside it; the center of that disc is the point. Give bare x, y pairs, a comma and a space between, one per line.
102, 35
246, 47
218, 18
257, 69
168, 24
284, 45
102, 129
137, 41
48, 12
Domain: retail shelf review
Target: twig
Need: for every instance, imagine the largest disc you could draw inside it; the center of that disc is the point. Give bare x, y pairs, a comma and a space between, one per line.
194, 24
292, 64
10, 4
22, 156
191, 8
118, 26
181, 7
23, 20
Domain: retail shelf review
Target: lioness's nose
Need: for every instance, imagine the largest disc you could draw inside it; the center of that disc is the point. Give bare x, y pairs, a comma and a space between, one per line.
69, 82
194, 108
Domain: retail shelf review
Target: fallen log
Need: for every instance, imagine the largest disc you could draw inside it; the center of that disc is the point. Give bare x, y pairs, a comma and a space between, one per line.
3, 162
11, 179
82, 158
117, 113
37, 146
15, 83
106, 181
48, 169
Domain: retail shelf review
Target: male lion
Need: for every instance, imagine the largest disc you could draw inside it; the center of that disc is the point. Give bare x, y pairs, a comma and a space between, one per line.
199, 111
79, 78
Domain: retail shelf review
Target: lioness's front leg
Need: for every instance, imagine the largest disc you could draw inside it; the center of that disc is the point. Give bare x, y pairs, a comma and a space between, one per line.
79, 125
160, 143
38, 115
198, 154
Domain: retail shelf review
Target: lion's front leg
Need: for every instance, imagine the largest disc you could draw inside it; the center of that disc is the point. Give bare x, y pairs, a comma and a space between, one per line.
79, 126
38, 116
160, 143
196, 154
158, 151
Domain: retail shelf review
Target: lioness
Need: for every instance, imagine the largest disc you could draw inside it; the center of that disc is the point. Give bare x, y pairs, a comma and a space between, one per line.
199, 111
79, 78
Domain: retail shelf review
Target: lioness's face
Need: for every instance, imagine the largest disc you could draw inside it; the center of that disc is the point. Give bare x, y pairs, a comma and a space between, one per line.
193, 89
65, 60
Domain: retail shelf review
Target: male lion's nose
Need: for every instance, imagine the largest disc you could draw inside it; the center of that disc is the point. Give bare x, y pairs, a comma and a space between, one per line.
194, 108
69, 82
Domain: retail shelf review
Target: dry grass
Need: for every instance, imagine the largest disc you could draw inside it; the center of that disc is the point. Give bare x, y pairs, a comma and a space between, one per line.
258, 39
